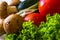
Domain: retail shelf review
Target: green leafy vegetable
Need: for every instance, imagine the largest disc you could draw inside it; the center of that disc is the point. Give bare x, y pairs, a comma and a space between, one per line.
29, 31
51, 29
46, 31
10, 36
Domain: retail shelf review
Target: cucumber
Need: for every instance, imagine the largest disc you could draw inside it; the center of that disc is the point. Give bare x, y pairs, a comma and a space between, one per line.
26, 4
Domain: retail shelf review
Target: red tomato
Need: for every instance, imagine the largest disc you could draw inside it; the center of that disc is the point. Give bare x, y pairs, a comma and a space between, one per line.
49, 6
35, 17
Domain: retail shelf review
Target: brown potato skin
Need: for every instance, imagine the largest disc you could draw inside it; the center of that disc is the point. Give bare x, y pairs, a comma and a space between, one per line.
13, 23
3, 9
13, 2
1, 26
11, 10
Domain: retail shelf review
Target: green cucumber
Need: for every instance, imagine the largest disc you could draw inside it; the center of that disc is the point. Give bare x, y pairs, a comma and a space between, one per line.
26, 4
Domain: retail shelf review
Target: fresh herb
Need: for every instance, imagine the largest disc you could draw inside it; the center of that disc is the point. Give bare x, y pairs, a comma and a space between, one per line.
51, 29
46, 31
10, 36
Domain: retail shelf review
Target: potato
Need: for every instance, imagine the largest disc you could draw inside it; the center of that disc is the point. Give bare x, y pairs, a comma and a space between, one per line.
13, 23
13, 2
1, 26
11, 9
3, 9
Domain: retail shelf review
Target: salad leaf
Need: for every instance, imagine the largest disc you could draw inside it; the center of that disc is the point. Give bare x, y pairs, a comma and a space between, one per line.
46, 31
10, 36
29, 31
50, 29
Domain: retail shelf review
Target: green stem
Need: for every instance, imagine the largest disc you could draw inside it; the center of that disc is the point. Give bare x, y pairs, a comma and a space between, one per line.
32, 8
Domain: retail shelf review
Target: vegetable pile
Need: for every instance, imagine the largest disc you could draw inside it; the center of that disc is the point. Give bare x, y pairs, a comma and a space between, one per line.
11, 18
46, 31
30, 19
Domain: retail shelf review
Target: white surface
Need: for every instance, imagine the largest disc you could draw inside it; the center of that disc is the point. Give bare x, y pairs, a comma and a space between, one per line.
2, 37
22, 0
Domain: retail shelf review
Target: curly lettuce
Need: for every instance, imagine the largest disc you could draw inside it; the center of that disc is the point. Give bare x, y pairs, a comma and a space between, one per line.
51, 29
46, 31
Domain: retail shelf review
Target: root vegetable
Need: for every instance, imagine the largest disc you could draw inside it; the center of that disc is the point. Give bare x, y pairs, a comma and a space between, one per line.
13, 23
13, 2
11, 9
3, 9
1, 26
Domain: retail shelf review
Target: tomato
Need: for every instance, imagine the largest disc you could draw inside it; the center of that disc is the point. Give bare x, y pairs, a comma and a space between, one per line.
35, 17
49, 6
